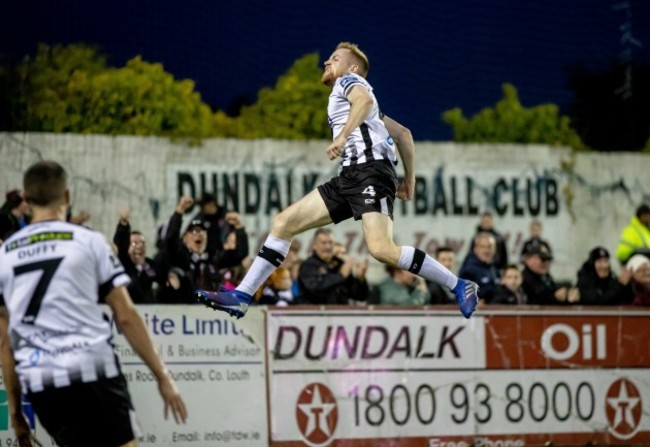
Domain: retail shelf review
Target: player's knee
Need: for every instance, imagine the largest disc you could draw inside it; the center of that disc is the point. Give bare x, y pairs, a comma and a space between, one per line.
381, 256
381, 252
281, 225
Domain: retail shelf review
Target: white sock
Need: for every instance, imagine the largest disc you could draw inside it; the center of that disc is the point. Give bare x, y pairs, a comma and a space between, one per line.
420, 263
268, 259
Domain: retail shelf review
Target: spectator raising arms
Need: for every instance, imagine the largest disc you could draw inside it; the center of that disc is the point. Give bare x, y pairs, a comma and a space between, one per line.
132, 251
214, 220
190, 252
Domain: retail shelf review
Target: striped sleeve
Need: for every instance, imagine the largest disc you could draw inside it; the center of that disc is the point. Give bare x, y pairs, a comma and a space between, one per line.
110, 271
347, 82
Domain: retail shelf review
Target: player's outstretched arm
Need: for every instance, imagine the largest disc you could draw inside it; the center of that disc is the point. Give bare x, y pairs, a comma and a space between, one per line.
137, 334
12, 385
406, 148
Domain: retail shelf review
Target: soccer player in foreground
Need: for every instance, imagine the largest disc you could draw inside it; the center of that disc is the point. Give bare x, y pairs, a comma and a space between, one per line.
56, 344
366, 143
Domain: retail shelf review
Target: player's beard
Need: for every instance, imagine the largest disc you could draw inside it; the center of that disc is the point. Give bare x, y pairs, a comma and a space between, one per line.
327, 78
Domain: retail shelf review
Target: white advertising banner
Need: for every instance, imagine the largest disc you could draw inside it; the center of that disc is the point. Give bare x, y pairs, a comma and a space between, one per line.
379, 377
327, 408
218, 367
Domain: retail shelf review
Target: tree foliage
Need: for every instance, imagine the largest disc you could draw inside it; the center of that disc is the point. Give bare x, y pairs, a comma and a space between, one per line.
70, 89
510, 122
296, 109
48, 91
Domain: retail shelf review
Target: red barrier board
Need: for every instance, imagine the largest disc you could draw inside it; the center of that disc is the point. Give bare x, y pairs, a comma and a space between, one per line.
428, 377
587, 339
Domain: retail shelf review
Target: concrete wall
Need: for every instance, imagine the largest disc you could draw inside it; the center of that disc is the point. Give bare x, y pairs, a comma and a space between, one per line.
583, 200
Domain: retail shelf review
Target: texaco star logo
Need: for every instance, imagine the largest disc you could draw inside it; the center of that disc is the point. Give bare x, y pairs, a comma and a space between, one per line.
317, 414
623, 408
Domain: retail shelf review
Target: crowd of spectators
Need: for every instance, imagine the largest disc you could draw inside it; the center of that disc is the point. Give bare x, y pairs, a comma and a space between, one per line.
212, 251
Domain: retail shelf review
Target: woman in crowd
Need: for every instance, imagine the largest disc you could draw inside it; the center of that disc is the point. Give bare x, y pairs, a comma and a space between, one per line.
639, 265
277, 289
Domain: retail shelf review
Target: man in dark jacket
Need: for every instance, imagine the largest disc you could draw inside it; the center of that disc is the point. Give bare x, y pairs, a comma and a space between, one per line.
597, 283
328, 279
538, 284
190, 252
479, 266
486, 225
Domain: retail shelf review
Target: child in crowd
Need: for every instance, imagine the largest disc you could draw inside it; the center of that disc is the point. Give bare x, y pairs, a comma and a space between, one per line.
509, 291
277, 290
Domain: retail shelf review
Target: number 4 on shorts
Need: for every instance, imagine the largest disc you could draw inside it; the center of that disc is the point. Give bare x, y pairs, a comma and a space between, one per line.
370, 191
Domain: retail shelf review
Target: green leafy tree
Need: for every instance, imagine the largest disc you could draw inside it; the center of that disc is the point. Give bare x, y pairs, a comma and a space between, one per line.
510, 122
142, 99
70, 89
295, 109
45, 90
227, 126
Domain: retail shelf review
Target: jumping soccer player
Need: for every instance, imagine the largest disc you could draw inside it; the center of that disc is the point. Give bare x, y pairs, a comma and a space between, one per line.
366, 187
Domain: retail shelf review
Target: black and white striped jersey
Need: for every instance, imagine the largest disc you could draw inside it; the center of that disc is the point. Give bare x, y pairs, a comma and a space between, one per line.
53, 275
370, 141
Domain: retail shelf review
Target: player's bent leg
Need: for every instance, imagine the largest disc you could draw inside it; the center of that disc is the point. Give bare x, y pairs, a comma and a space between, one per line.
378, 234
132, 443
308, 212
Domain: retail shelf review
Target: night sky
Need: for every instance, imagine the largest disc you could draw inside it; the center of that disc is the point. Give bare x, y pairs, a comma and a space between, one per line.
425, 56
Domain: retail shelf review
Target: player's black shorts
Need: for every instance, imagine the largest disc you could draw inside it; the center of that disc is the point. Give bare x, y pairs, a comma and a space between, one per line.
363, 188
87, 414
